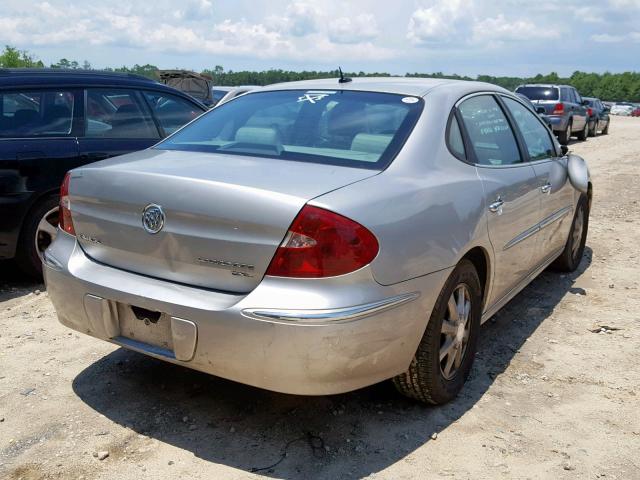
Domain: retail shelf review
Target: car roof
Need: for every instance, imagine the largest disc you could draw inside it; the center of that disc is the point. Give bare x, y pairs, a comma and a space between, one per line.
548, 85
399, 85
40, 77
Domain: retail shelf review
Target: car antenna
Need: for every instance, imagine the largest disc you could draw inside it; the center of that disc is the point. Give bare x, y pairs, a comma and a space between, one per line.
343, 79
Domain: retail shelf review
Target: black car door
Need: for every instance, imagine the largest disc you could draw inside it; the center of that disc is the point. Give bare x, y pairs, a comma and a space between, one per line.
38, 144
117, 121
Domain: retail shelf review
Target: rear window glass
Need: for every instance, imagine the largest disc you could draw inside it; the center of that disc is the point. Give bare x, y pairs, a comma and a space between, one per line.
358, 129
539, 93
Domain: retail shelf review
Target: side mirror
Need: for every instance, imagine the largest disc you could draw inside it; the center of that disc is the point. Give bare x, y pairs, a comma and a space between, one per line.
585, 103
564, 149
606, 110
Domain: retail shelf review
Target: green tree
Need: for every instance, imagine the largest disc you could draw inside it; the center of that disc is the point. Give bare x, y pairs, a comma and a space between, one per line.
11, 57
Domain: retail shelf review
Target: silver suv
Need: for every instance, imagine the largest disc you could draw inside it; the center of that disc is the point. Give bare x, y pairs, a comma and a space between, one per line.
566, 109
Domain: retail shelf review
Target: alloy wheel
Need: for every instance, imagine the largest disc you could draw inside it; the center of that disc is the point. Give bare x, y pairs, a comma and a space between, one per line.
46, 231
455, 330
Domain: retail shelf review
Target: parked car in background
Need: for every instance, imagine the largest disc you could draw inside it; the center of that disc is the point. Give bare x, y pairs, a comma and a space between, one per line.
623, 109
298, 239
195, 84
598, 116
565, 107
539, 110
54, 120
636, 112
222, 94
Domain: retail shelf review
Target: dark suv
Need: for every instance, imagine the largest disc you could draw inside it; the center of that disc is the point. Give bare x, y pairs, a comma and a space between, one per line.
54, 120
564, 106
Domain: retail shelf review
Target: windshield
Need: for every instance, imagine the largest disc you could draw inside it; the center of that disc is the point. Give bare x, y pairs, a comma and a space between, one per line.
356, 129
539, 93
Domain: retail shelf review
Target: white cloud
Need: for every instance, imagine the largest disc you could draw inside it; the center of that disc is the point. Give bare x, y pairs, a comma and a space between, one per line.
501, 29
362, 27
439, 23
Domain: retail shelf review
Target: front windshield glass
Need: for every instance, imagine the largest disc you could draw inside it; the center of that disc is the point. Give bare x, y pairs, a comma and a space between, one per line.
356, 129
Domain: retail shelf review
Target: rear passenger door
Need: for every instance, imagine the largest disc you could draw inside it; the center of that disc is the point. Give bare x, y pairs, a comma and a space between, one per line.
117, 121
38, 129
510, 186
555, 191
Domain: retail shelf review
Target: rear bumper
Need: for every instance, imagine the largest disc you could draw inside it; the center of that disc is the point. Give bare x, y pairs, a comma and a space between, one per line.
310, 337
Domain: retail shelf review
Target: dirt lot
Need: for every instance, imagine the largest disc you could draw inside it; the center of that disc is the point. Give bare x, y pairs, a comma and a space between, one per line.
547, 398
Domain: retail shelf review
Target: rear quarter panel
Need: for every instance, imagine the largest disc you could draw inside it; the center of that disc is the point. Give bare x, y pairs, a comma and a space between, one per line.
427, 209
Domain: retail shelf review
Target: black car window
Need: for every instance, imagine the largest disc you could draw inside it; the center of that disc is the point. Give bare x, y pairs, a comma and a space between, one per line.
171, 112
535, 92
536, 136
117, 113
36, 113
489, 131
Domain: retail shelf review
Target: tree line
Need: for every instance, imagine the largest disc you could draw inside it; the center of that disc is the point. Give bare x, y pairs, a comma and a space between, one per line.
606, 86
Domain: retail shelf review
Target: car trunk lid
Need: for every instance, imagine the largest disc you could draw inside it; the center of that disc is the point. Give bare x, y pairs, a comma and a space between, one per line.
224, 215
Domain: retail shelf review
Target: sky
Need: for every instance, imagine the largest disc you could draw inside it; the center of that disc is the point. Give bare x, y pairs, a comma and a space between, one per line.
495, 37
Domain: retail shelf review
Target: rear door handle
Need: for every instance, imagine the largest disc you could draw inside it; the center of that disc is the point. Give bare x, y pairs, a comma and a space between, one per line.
496, 207
546, 188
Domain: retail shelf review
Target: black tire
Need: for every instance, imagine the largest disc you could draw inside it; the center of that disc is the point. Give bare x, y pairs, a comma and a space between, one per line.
584, 133
425, 380
565, 136
593, 131
605, 130
571, 256
27, 257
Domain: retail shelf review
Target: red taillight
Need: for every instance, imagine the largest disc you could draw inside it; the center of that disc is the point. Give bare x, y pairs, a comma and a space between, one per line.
321, 243
590, 111
558, 109
66, 223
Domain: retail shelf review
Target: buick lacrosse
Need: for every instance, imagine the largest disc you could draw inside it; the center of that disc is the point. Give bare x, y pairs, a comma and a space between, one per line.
320, 236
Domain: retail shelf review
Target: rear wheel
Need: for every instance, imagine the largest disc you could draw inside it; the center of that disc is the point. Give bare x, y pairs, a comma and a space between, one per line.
447, 349
605, 130
565, 136
570, 258
584, 133
593, 130
39, 230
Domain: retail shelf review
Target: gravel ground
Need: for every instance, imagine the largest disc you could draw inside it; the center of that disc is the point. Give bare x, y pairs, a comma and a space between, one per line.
554, 393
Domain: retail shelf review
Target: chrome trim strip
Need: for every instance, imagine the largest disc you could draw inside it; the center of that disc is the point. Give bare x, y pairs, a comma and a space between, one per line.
328, 316
536, 228
522, 236
555, 217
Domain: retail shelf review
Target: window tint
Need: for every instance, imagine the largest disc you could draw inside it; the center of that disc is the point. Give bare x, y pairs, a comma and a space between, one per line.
36, 113
489, 131
539, 93
115, 113
171, 112
360, 129
536, 136
454, 140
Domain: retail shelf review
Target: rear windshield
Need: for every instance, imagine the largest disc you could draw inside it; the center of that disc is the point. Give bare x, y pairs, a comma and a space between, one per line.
539, 93
355, 129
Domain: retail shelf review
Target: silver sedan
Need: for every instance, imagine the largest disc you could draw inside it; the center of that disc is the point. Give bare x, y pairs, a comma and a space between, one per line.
320, 236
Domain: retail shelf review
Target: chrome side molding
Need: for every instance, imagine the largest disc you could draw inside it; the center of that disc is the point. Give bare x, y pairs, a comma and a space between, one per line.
328, 316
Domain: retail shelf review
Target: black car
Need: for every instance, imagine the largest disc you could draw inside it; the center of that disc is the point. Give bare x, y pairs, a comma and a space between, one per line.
598, 116
54, 120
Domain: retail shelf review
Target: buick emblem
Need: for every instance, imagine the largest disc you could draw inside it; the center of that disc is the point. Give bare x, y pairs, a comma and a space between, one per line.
153, 218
